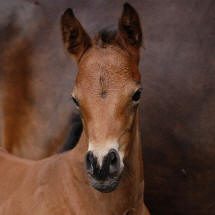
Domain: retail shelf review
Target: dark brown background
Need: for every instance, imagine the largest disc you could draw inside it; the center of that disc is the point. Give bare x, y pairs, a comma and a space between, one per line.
178, 74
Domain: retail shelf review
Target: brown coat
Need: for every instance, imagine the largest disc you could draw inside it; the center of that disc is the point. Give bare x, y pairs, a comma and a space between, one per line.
59, 185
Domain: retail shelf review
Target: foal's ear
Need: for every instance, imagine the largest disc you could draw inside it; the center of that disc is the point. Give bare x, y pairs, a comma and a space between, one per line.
75, 38
129, 32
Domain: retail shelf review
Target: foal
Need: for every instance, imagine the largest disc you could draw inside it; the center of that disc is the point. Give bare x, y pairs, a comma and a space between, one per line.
103, 174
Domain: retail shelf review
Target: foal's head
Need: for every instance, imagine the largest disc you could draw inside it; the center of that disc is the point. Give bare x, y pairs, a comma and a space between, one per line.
107, 92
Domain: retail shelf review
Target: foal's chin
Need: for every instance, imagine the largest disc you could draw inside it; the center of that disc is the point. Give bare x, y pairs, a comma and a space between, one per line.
106, 186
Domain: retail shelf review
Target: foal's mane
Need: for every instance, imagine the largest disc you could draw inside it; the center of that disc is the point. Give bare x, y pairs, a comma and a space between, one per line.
106, 36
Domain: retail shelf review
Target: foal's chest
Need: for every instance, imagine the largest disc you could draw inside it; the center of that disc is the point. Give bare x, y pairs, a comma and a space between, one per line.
109, 204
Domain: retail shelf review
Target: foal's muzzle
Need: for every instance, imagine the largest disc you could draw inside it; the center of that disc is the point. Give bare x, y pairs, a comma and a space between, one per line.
106, 177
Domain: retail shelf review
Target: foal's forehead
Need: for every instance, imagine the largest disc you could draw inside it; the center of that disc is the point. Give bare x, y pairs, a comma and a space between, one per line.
110, 64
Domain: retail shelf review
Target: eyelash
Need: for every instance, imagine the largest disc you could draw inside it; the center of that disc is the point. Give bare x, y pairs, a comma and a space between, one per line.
136, 96
75, 101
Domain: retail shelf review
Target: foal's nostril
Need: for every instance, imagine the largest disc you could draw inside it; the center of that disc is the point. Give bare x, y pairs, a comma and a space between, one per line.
89, 161
110, 166
114, 161
113, 158
90, 157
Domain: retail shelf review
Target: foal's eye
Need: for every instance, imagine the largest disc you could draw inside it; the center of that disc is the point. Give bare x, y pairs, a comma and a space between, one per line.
137, 95
75, 101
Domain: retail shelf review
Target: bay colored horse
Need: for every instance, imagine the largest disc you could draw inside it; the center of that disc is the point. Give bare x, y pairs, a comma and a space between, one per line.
103, 174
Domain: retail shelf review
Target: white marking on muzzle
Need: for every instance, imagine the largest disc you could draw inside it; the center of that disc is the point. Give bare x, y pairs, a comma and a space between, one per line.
101, 150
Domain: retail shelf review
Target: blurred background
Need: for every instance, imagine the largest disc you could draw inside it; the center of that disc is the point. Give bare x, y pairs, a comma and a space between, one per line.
178, 103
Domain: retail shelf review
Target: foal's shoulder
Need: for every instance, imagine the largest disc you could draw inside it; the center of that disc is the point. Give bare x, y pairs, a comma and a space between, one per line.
3, 150
3, 154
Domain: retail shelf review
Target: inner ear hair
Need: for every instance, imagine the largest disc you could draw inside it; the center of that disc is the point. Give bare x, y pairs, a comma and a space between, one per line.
129, 31
75, 37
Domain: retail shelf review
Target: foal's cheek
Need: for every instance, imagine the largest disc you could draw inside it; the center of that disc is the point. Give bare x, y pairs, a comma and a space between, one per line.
130, 116
125, 141
124, 144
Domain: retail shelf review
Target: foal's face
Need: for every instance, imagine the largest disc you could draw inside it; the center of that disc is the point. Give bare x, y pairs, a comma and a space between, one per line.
107, 92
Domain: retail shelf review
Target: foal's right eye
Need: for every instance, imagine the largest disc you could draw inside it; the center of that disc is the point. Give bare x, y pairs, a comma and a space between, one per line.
75, 101
137, 95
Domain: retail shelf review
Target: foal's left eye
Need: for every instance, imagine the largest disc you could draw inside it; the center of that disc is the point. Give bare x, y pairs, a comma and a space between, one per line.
137, 94
75, 101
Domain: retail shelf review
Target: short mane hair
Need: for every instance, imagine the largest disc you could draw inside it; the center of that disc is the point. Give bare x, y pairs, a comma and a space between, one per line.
106, 36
